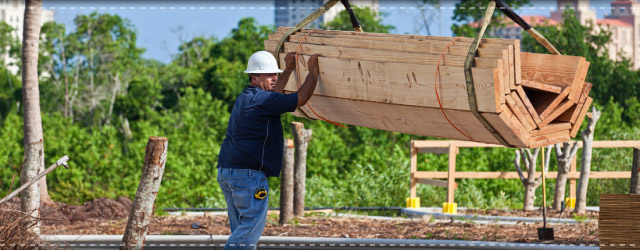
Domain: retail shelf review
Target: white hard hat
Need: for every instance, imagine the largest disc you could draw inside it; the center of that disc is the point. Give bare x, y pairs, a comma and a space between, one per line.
262, 62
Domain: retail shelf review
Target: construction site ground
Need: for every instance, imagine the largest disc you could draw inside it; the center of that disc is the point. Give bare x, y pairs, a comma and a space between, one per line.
108, 217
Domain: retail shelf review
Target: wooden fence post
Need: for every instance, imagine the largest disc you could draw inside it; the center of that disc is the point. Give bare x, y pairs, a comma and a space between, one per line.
302, 137
635, 183
142, 208
451, 176
286, 184
414, 168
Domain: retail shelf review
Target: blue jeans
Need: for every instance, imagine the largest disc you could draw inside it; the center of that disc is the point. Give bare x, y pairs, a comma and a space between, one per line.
247, 214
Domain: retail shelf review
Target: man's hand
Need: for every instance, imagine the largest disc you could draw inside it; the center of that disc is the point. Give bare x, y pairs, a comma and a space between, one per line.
290, 60
313, 64
306, 90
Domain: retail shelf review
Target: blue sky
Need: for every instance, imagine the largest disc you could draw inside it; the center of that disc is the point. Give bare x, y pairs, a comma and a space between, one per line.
163, 24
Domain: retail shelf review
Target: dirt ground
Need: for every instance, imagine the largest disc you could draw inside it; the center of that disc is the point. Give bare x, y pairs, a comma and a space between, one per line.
107, 216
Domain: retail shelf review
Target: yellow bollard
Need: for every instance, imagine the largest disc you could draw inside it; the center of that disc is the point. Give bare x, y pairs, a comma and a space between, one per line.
450, 208
570, 203
413, 202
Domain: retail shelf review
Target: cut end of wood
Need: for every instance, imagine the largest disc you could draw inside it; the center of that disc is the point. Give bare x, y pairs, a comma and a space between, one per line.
156, 138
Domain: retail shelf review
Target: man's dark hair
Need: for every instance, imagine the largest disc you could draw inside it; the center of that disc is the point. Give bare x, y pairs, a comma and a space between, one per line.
249, 78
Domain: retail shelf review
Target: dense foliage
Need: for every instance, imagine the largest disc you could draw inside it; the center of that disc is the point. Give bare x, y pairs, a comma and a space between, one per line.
101, 101
467, 12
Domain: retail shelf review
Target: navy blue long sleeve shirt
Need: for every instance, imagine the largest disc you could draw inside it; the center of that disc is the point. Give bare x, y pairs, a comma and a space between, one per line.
254, 133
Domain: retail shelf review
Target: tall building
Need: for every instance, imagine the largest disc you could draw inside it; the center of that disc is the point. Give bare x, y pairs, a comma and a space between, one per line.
291, 12
623, 23
12, 13
582, 9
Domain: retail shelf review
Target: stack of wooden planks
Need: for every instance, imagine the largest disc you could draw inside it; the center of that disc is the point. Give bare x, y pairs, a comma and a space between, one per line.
388, 81
618, 221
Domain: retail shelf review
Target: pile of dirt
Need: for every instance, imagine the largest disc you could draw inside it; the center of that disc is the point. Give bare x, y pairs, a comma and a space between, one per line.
98, 209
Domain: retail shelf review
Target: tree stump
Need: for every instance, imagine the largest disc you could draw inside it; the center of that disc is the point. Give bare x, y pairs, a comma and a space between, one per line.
302, 137
286, 183
585, 165
564, 155
142, 208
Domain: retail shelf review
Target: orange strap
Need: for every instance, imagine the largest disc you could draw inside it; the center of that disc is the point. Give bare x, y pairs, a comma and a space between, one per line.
436, 89
298, 78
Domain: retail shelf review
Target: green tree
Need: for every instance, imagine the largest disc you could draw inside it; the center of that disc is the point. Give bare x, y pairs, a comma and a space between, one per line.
10, 85
611, 79
243, 41
471, 11
52, 68
427, 14
370, 21
223, 77
9, 45
104, 51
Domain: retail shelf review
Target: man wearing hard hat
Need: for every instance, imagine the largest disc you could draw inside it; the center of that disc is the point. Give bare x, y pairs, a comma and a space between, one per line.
253, 146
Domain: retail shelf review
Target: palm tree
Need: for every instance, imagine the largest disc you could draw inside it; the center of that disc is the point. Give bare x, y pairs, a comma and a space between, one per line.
33, 138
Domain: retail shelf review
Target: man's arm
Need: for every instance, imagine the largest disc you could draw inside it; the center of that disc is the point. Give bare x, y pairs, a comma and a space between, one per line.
306, 90
290, 60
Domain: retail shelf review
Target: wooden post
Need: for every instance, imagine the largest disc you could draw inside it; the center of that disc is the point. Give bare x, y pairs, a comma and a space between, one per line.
154, 160
414, 169
30, 199
635, 183
302, 137
451, 179
286, 184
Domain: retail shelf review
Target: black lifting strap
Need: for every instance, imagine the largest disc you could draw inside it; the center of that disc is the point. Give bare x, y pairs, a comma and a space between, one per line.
502, 6
354, 19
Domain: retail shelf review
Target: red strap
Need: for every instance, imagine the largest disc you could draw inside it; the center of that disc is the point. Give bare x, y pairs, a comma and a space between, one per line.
436, 88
